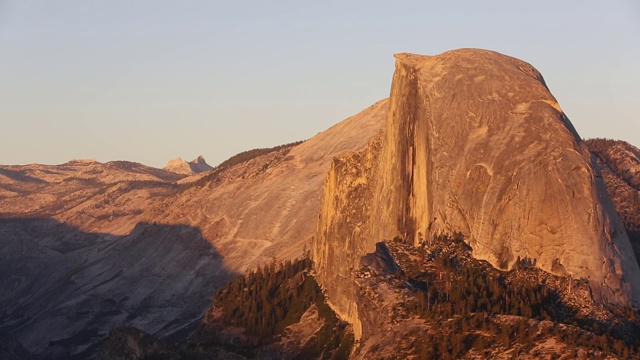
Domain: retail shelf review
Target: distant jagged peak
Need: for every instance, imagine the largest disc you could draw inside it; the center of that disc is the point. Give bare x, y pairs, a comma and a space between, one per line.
195, 166
178, 166
199, 160
199, 165
174, 162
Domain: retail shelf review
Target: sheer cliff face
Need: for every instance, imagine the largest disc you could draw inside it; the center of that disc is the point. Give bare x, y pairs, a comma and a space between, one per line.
474, 142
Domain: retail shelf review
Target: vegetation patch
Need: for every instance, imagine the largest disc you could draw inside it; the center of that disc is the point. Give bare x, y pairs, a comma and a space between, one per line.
269, 299
473, 309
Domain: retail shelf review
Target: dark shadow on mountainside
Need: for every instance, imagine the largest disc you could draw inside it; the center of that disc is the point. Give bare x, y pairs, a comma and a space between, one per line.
62, 290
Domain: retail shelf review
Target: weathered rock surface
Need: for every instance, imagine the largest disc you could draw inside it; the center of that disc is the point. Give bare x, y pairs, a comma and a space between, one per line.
474, 142
267, 207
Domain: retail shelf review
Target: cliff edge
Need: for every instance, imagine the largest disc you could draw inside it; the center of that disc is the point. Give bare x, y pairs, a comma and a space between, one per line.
474, 142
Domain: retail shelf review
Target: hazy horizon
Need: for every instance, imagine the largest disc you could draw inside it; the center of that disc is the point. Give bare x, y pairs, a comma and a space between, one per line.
152, 81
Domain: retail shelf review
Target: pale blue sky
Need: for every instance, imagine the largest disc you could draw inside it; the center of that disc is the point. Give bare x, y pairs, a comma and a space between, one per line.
147, 81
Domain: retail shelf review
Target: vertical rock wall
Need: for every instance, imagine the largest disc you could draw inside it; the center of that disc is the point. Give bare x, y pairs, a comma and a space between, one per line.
340, 240
474, 142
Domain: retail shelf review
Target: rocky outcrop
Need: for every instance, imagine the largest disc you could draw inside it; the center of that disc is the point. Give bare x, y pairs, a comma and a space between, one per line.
199, 165
474, 142
177, 166
194, 166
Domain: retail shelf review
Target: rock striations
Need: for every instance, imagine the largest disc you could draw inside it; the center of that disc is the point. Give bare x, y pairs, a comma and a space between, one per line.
475, 143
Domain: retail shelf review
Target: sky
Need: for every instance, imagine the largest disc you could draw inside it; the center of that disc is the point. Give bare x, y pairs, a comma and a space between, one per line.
152, 80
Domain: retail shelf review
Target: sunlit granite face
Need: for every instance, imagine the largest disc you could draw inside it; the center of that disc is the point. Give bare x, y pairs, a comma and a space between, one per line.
474, 143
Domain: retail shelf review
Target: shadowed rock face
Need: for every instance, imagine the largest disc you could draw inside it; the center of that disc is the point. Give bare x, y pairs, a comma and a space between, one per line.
620, 164
60, 304
474, 142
